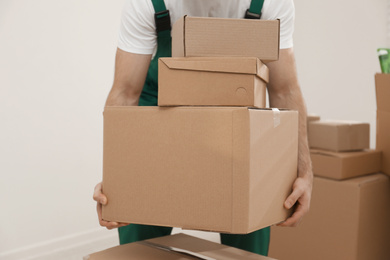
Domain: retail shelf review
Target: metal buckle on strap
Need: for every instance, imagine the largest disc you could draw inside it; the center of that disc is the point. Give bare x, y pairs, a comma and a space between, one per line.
163, 21
250, 15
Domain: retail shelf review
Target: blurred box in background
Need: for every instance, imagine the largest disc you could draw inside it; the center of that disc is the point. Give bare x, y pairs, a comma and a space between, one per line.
382, 82
312, 117
212, 81
348, 220
339, 135
345, 165
223, 169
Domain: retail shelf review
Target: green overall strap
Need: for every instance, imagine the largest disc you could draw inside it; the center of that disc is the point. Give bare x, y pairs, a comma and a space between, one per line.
161, 17
164, 41
254, 11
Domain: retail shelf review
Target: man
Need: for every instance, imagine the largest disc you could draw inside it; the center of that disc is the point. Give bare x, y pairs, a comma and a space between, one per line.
135, 83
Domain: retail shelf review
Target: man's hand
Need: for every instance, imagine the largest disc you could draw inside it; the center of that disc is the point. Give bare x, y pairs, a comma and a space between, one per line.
300, 197
101, 199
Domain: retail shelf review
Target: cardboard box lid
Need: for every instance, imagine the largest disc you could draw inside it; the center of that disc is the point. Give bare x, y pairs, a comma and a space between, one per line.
382, 83
239, 65
179, 247
338, 123
343, 154
194, 36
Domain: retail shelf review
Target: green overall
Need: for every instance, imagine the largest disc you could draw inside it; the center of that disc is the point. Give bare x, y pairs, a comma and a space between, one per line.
256, 242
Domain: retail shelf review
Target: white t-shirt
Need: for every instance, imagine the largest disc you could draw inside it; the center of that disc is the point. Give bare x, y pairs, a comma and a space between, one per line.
137, 32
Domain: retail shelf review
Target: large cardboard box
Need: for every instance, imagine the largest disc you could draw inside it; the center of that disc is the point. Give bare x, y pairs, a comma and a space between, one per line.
339, 135
215, 81
382, 82
345, 165
348, 220
175, 247
210, 37
223, 169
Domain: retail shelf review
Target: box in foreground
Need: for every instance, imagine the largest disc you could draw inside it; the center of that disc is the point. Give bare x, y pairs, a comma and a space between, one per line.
175, 247
215, 81
210, 37
221, 169
345, 165
382, 82
339, 135
348, 220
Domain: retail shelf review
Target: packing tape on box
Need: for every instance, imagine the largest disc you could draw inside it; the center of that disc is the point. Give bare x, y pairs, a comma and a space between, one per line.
175, 249
276, 117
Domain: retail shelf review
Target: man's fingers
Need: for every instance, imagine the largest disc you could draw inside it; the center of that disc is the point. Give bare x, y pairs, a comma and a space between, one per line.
294, 219
98, 195
107, 224
292, 199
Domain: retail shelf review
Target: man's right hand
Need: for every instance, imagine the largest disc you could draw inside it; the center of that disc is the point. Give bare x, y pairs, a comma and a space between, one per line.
101, 199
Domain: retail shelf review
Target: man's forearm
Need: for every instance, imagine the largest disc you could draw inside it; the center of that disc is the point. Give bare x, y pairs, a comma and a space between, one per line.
121, 96
294, 100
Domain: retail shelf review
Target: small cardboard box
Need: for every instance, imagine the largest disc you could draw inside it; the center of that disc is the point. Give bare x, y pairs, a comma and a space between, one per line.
382, 82
345, 165
312, 117
338, 135
174, 247
223, 169
348, 220
210, 37
215, 81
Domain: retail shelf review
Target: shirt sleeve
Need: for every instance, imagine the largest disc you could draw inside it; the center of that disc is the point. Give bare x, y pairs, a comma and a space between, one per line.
137, 33
284, 10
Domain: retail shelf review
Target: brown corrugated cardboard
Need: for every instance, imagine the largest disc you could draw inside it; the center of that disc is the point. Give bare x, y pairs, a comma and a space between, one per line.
345, 165
210, 37
339, 135
224, 169
382, 82
175, 247
348, 220
215, 81
311, 117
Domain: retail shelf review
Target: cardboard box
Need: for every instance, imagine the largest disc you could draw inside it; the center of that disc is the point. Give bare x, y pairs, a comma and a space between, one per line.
223, 169
345, 165
311, 118
348, 220
382, 82
210, 37
174, 247
216, 81
339, 136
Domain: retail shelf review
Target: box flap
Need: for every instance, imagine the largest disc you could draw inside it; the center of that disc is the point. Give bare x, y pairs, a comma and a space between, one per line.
239, 65
174, 247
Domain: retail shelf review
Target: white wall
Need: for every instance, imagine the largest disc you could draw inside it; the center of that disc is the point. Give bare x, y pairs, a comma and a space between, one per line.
335, 46
56, 68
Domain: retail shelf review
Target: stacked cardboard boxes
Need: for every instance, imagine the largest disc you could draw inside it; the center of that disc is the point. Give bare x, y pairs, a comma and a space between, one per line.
210, 156
340, 149
349, 214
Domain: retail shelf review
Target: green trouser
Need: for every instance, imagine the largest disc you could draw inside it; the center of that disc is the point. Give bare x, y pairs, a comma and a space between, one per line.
256, 242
